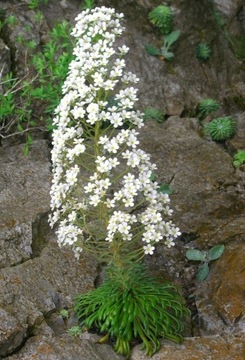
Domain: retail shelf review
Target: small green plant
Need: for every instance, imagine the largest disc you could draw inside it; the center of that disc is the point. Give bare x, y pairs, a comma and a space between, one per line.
206, 107
88, 4
33, 4
239, 158
152, 113
219, 19
239, 47
164, 52
38, 16
21, 100
205, 257
162, 17
64, 313
220, 129
75, 331
10, 20
203, 52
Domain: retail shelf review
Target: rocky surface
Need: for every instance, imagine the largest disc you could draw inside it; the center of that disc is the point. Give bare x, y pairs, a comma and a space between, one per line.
196, 348
37, 279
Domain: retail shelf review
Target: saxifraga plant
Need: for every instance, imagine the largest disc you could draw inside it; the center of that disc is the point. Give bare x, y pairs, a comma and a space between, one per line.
205, 257
239, 158
74, 331
162, 17
203, 52
152, 113
131, 304
206, 107
220, 129
104, 197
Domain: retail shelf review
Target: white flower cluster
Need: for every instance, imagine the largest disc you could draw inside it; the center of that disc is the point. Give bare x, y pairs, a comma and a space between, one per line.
89, 126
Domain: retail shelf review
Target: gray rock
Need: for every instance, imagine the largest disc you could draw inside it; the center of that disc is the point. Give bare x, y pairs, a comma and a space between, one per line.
24, 195
229, 8
208, 199
5, 61
32, 291
208, 348
65, 347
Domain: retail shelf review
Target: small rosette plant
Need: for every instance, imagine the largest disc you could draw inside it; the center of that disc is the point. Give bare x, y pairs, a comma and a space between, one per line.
102, 195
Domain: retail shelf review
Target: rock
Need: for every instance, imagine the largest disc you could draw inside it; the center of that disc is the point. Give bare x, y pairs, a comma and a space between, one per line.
229, 8
24, 193
75, 348
208, 195
196, 348
11, 333
177, 87
32, 291
5, 60
220, 299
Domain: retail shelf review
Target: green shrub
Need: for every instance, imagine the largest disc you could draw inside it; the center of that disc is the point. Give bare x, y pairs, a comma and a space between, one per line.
203, 52
162, 17
206, 107
220, 129
239, 158
152, 113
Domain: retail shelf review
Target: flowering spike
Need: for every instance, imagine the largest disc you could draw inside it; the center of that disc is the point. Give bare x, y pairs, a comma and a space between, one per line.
102, 195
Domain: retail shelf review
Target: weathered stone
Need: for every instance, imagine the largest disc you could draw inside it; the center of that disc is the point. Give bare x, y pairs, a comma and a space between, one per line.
42, 348
229, 7
24, 194
178, 87
197, 348
32, 291
209, 198
12, 333
5, 60
220, 299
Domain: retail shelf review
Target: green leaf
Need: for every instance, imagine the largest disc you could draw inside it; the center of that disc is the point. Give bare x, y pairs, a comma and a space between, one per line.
195, 255
203, 272
216, 252
165, 189
20, 128
26, 149
152, 50
153, 176
168, 55
171, 38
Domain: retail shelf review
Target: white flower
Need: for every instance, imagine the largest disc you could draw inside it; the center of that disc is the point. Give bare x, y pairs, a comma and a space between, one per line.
169, 242
149, 249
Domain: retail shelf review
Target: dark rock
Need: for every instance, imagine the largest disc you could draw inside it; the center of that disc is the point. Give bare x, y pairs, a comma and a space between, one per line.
220, 299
